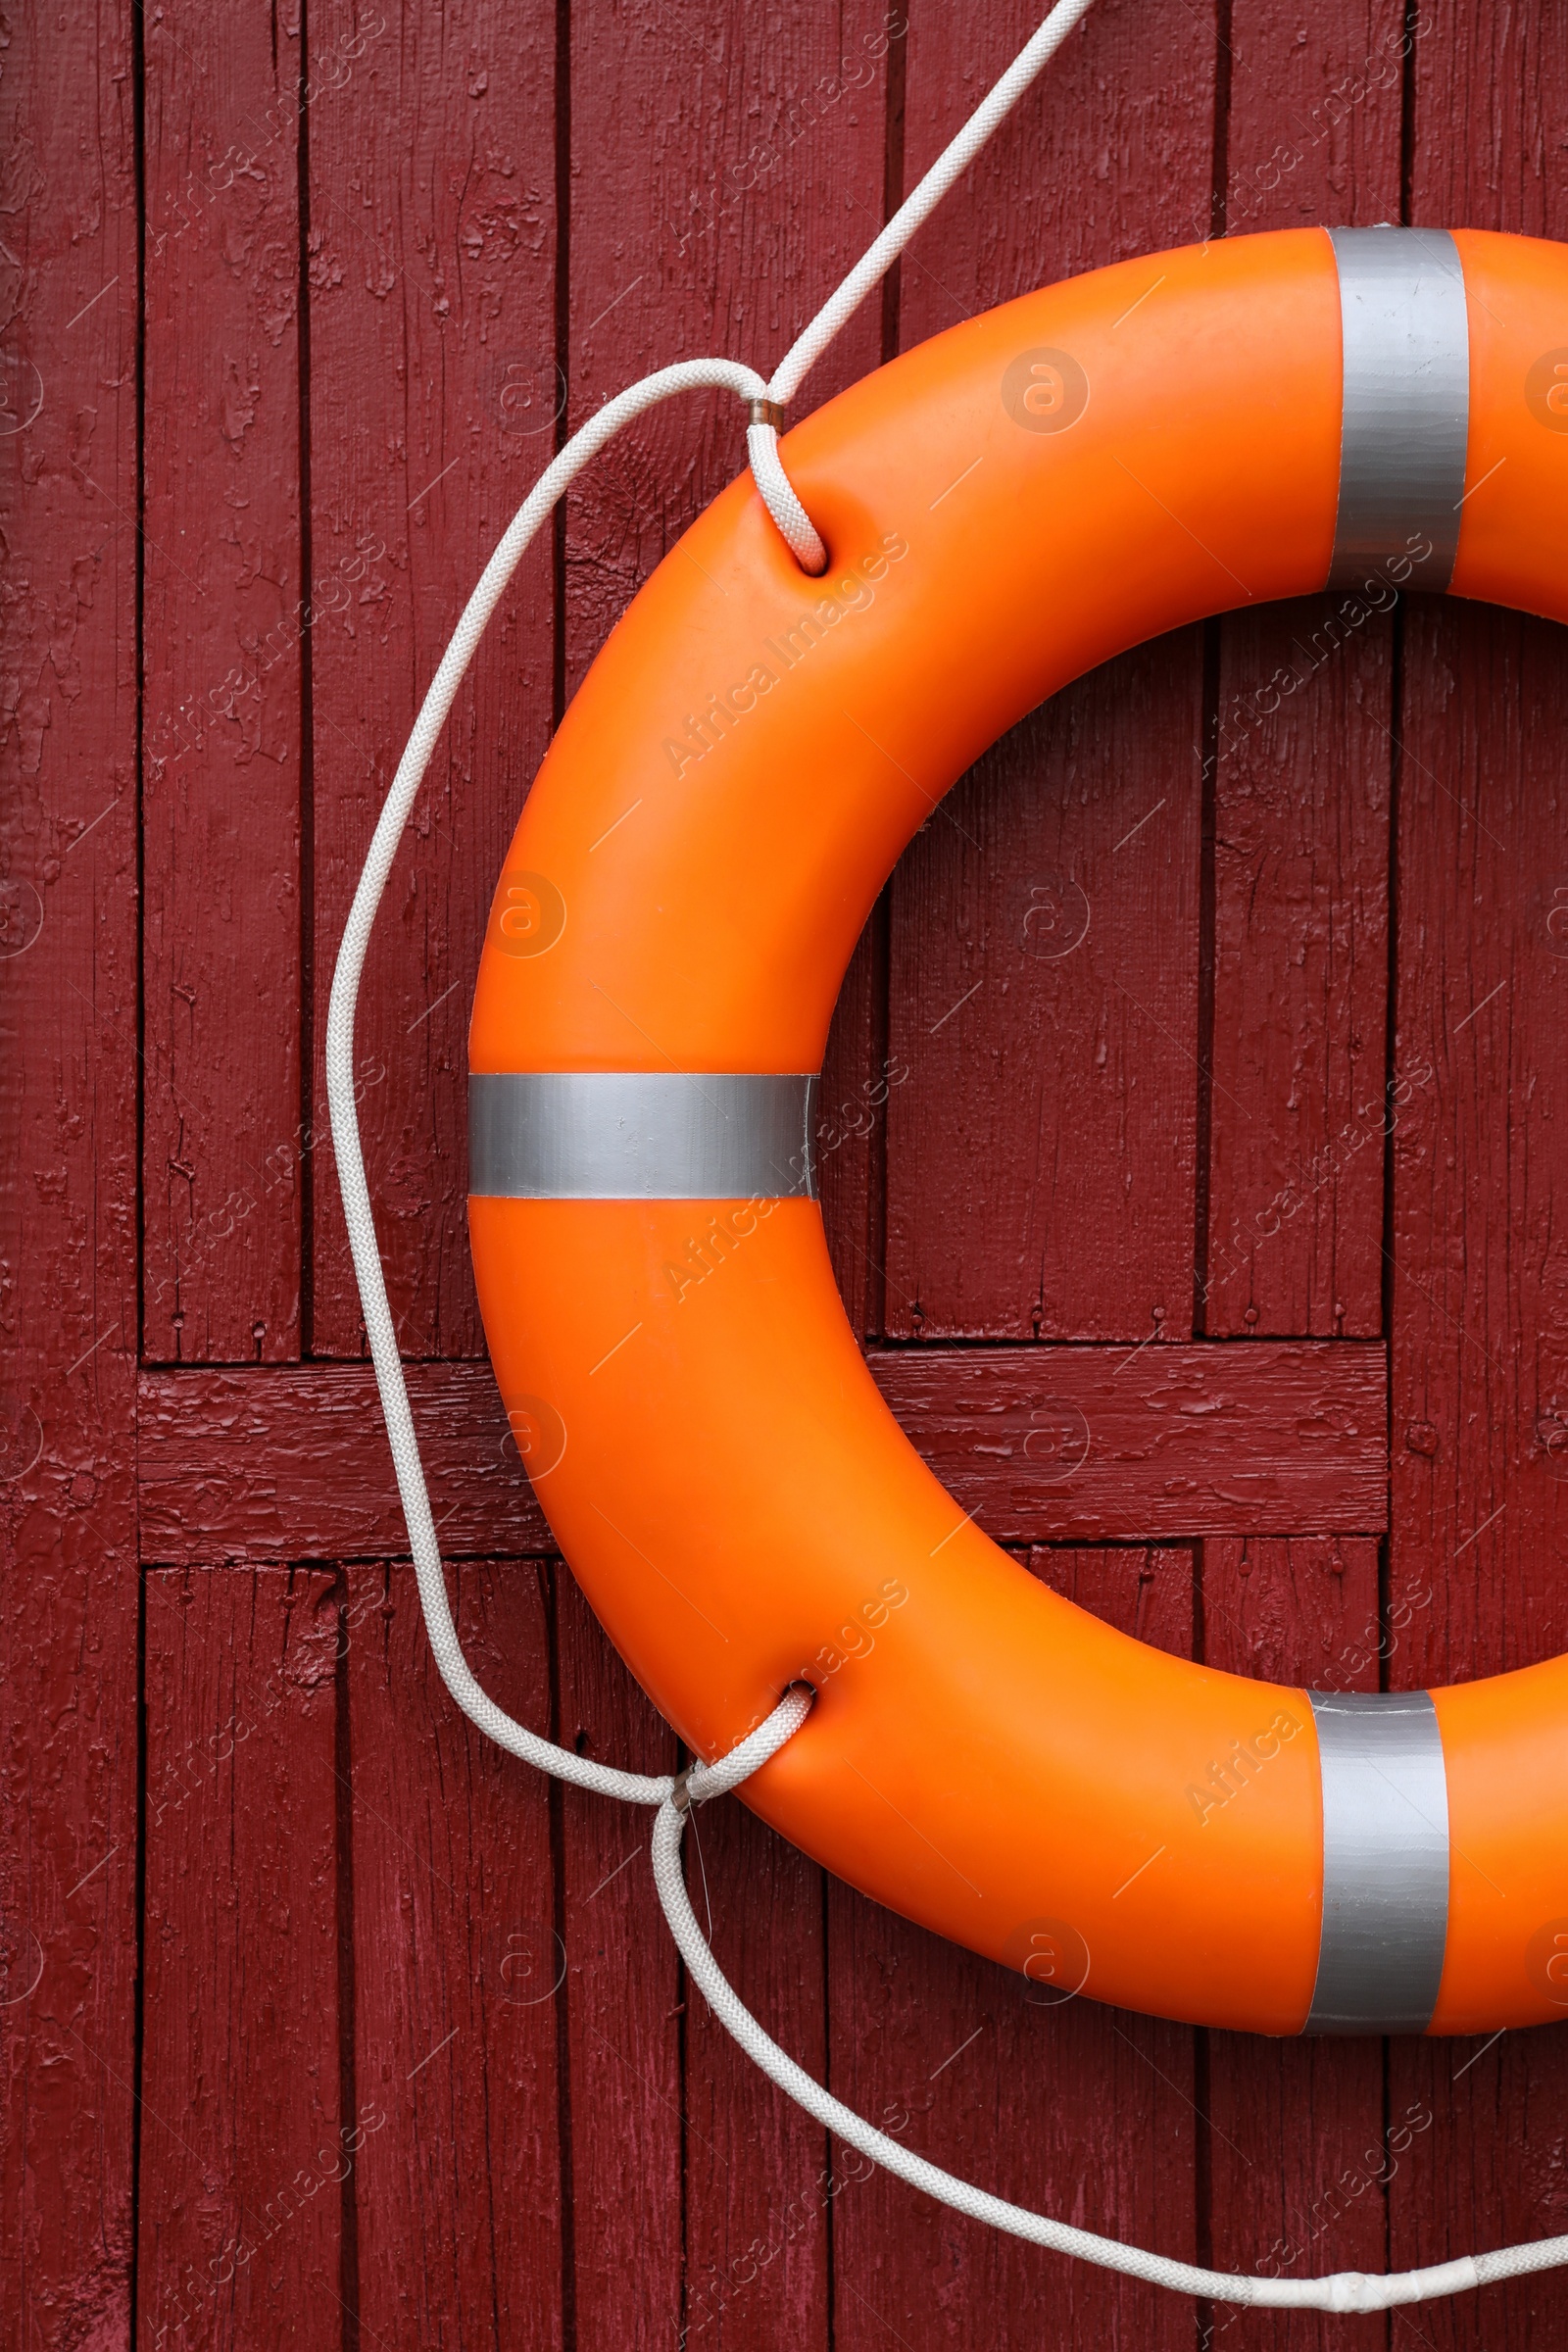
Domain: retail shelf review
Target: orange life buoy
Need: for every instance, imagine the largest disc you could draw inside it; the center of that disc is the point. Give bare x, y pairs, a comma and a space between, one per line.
1005, 506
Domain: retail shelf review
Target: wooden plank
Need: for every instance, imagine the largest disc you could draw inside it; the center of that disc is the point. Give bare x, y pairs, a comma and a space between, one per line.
1041, 1159
1045, 997
241, 1466
1298, 2155
756, 2235
434, 395
67, 1182
1480, 1377
226, 608
458, 1968
1479, 1371
1040, 1185
1477, 2170
1042, 1441
1300, 1110
1174, 1441
1312, 128
1479, 1367
1301, 758
626, 2012
1297, 1112
727, 171
967, 2064
732, 171
248, 2152
1107, 156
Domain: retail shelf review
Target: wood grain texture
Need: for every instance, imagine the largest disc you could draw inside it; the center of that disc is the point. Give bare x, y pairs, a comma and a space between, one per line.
1045, 998
1481, 1373
68, 1181
433, 397
625, 1993
246, 2153
1077, 2110
226, 609
458, 1971
1041, 1442
757, 2203
383, 249
1033, 925
1297, 1114
237, 1466
1481, 1366
1301, 758
1041, 1159
1299, 1111
1171, 1441
1292, 2187
726, 170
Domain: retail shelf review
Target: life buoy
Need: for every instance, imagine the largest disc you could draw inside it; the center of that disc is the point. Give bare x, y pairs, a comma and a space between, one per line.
1006, 508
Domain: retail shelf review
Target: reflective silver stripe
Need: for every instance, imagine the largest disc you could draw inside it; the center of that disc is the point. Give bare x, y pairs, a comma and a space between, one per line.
1406, 415
1385, 1862
639, 1134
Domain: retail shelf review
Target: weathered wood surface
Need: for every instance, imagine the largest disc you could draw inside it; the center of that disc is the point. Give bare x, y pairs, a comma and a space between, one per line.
431, 295
1296, 1112
1208, 1248
1045, 1444
243, 2191
1475, 1222
226, 610
450, 1923
69, 1306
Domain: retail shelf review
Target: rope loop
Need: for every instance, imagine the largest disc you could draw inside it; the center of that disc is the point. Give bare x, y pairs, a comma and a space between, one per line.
778, 493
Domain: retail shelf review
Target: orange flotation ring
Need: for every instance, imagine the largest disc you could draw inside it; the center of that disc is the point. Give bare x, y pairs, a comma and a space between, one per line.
1005, 506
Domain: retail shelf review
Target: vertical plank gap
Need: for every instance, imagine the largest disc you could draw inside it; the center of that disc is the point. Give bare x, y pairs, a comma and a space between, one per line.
893, 185
348, 2106
1412, 32
829, 2245
1202, 1142
140, 1908
1203, 2184
876, 1170
1202, 2129
1219, 199
305, 1156
1390, 1082
562, 328
1412, 16
1203, 1145
138, 108
548, 1572
876, 1149
685, 1756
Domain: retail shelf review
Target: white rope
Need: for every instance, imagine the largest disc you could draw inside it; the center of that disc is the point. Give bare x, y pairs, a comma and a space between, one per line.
782, 500
1343, 2291
918, 206
761, 439
380, 1329
1346, 2290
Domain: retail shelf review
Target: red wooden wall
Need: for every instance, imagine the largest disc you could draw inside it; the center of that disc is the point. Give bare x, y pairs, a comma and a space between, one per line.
323, 2023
